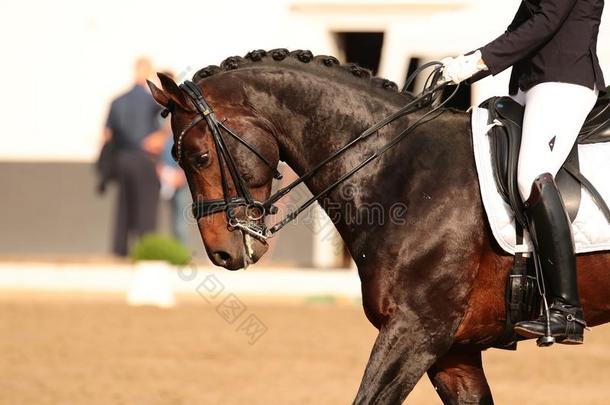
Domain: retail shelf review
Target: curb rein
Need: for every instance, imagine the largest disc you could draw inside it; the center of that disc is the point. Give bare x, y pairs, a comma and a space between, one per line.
256, 210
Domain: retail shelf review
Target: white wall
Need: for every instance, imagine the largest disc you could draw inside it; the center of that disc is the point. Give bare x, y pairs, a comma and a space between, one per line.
63, 61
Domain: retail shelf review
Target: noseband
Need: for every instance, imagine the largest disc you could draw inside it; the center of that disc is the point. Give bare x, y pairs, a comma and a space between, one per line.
257, 211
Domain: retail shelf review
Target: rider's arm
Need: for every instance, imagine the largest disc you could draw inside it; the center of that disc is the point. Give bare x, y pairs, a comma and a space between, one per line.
513, 46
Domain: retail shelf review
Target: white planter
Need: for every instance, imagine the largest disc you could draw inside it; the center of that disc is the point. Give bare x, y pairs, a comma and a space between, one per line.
152, 285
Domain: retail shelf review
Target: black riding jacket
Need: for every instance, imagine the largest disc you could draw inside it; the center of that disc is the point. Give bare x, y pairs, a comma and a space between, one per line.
549, 41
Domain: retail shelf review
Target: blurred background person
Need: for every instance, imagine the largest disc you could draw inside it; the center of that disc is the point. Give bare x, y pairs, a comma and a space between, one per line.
134, 129
173, 185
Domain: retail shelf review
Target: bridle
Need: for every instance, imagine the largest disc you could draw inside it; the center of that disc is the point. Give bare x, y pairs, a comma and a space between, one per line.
257, 211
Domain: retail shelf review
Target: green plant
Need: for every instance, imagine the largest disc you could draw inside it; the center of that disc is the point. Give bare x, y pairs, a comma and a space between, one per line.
160, 247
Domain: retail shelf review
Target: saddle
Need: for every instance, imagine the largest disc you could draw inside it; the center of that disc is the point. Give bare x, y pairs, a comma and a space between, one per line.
506, 119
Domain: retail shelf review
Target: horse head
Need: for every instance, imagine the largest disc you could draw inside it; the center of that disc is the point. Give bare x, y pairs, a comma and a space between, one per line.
235, 121
229, 155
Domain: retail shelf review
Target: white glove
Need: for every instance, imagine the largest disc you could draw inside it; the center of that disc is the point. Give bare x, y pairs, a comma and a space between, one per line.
463, 67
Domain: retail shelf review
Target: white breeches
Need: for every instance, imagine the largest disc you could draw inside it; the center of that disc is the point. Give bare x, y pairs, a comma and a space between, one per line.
554, 115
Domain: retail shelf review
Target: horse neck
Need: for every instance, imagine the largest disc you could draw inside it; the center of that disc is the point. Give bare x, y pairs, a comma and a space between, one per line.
315, 116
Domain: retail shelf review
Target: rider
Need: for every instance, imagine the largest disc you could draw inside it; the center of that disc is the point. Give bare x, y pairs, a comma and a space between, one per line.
551, 45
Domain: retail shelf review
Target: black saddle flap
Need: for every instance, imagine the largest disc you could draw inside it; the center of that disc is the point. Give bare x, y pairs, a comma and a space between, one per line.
505, 142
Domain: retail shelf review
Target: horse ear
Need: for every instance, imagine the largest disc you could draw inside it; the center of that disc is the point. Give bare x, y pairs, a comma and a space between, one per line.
174, 93
158, 94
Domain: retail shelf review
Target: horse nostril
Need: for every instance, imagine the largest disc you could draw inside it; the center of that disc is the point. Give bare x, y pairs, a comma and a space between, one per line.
221, 256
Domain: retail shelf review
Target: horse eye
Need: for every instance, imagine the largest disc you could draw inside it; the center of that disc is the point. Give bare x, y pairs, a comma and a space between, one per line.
202, 160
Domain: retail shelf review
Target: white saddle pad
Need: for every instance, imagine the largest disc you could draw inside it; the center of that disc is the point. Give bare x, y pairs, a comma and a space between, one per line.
591, 228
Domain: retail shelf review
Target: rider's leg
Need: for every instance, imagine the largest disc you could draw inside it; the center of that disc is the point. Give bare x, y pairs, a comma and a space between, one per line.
554, 115
549, 227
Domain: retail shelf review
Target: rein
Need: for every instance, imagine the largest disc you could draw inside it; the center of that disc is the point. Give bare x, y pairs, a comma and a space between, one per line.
256, 211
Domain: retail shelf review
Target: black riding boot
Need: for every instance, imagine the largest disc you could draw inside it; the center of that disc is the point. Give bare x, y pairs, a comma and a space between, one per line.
551, 232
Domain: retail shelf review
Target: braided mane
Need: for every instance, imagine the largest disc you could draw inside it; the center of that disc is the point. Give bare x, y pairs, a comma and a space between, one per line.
280, 54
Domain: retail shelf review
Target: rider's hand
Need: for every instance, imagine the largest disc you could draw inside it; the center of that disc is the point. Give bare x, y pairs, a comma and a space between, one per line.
456, 70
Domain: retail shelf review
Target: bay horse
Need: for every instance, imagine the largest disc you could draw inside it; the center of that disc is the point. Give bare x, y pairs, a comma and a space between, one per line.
433, 285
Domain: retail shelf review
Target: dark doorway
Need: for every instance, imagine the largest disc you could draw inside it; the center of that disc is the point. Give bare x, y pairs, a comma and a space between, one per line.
462, 100
413, 65
363, 48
